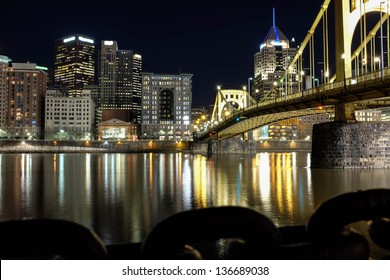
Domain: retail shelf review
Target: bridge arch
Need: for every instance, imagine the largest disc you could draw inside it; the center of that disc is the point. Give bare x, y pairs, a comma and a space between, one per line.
348, 13
227, 102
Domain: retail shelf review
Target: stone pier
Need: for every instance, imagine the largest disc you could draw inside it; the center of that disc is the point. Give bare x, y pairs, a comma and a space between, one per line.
351, 145
231, 146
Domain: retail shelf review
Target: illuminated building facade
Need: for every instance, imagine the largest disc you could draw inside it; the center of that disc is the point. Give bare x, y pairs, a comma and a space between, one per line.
74, 65
385, 114
368, 115
166, 106
4, 63
270, 64
120, 80
69, 117
200, 119
305, 125
26, 86
115, 129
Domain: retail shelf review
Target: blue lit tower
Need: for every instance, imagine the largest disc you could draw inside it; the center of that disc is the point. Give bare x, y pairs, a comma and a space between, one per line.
271, 61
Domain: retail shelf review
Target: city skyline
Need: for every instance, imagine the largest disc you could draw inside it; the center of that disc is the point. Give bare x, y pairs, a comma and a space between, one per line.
215, 41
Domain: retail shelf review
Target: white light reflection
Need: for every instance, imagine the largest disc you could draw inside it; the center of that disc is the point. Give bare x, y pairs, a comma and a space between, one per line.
238, 185
88, 198
161, 172
201, 180
61, 181
25, 181
308, 160
264, 174
186, 183
309, 178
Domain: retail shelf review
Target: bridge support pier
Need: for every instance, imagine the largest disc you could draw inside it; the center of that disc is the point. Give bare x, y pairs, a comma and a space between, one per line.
351, 145
231, 146
345, 112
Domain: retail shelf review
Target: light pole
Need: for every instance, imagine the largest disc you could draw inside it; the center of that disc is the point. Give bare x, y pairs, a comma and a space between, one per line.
245, 90
249, 85
343, 58
286, 75
382, 55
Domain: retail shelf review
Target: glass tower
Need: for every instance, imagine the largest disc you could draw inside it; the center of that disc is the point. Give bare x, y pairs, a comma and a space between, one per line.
74, 65
270, 64
120, 80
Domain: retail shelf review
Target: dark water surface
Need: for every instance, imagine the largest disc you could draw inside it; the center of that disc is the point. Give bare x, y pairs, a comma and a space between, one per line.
121, 196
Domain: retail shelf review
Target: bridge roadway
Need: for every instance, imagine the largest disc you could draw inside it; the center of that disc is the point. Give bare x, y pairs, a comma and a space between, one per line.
363, 92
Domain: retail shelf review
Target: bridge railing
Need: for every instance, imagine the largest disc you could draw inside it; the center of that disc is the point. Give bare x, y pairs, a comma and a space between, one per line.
378, 74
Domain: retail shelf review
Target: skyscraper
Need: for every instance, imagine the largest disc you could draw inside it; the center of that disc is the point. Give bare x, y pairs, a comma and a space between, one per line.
74, 65
26, 87
166, 106
120, 81
270, 64
4, 61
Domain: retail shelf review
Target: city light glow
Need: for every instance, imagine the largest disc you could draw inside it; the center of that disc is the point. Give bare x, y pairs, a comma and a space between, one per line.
66, 40
87, 40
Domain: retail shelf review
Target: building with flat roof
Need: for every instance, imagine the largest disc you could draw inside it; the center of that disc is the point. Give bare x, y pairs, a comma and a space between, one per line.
22, 94
166, 106
69, 117
74, 63
4, 64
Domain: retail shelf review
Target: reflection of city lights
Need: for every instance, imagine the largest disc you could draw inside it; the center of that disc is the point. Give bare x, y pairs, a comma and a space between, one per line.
264, 175
200, 180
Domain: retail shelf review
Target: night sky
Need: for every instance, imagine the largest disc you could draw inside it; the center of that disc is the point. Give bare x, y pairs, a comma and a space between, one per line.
214, 40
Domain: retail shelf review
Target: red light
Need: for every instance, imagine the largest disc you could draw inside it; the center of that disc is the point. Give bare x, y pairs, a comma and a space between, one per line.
320, 107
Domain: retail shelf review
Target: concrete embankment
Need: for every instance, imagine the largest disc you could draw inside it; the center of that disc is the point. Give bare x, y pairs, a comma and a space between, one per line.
19, 146
237, 146
230, 146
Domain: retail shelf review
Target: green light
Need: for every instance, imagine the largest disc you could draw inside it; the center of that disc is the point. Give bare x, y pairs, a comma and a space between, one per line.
41, 68
4, 59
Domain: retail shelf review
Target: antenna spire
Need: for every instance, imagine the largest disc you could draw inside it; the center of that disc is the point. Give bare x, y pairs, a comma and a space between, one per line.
273, 15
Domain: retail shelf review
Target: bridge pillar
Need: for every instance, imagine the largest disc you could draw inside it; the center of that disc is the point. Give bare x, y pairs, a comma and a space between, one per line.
343, 38
231, 146
351, 145
344, 112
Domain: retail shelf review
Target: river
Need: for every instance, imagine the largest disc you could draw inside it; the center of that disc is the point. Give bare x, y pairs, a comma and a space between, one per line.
121, 196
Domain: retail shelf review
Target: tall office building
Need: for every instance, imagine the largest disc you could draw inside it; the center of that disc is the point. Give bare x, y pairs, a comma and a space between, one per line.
74, 65
270, 64
120, 82
166, 106
26, 88
4, 64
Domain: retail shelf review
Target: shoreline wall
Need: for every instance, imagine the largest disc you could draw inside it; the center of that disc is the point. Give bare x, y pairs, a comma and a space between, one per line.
212, 147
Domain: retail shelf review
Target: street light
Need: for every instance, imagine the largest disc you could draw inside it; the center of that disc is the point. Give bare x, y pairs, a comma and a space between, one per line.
343, 58
287, 58
382, 58
249, 85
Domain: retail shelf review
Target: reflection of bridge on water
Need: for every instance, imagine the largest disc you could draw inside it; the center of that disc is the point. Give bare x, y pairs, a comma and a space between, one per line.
361, 78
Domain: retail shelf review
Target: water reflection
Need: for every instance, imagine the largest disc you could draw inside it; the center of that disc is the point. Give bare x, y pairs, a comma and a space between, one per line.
121, 196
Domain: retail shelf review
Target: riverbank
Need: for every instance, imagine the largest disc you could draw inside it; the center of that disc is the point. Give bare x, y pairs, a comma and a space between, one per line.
227, 146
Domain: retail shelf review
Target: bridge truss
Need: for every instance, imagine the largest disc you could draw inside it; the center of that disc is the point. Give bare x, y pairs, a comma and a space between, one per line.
358, 74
